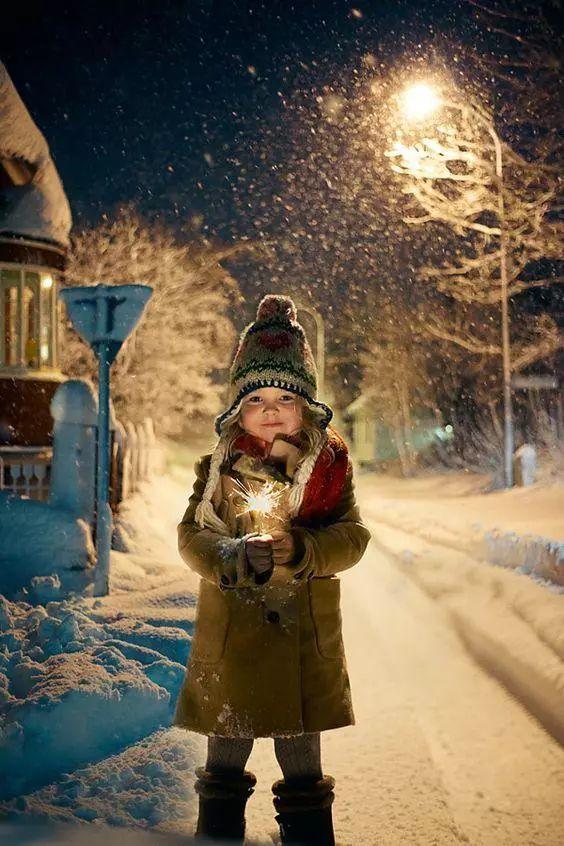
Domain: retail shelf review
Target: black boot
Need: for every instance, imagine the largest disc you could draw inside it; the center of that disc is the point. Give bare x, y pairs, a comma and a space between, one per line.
223, 797
304, 810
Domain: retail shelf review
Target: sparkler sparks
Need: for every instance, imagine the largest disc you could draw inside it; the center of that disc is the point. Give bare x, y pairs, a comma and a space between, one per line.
262, 501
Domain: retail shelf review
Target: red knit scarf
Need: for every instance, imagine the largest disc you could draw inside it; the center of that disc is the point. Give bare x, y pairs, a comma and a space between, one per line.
325, 485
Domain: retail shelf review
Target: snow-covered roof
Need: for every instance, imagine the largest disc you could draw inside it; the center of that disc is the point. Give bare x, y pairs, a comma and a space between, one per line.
39, 209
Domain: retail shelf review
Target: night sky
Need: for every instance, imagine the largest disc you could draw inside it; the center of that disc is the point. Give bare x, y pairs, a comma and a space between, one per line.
167, 106
212, 117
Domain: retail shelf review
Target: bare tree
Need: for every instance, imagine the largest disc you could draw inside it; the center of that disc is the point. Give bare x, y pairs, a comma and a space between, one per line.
165, 368
518, 47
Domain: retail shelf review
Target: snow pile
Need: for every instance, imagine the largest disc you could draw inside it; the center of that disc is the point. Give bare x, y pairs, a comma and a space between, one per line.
84, 678
69, 686
149, 784
530, 554
522, 529
40, 209
55, 558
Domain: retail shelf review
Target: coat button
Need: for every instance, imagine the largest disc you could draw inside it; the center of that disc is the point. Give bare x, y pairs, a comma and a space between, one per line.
273, 617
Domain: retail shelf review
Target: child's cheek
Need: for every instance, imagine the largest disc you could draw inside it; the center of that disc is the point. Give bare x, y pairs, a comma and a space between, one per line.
297, 417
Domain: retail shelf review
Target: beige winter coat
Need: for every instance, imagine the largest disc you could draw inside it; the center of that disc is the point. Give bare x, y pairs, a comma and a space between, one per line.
269, 659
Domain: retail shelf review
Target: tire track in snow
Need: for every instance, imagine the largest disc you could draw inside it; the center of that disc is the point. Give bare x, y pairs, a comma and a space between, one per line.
502, 773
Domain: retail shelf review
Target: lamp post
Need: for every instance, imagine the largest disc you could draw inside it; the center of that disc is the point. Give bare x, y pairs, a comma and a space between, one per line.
419, 102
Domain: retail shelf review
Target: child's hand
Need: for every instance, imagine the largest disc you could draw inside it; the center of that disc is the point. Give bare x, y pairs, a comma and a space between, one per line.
259, 553
283, 547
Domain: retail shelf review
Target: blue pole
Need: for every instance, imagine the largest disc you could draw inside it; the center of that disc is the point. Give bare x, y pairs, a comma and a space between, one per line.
104, 316
103, 510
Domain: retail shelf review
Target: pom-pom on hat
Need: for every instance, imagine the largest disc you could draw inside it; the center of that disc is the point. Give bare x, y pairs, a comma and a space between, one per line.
274, 352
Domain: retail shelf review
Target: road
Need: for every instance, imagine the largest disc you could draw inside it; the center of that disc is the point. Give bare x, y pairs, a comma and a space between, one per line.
440, 754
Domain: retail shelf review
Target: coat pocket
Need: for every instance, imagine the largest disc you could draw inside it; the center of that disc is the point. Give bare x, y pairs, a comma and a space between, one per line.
212, 625
325, 604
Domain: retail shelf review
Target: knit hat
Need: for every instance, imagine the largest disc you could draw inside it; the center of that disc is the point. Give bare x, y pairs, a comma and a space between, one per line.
273, 351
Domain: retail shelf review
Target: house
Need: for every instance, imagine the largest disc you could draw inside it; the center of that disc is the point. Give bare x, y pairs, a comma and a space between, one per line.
35, 222
375, 443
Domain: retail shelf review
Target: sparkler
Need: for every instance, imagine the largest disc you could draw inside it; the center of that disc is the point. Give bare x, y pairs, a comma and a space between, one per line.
262, 502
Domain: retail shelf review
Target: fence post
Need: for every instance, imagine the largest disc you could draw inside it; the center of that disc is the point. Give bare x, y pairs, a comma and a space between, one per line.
525, 465
74, 408
142, 447
120, 445
151, 446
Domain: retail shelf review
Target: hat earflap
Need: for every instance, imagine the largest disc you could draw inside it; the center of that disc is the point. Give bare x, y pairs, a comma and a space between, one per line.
205, 515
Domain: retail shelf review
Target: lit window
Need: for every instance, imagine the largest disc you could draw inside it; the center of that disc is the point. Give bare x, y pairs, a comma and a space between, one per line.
28, 317
30, 322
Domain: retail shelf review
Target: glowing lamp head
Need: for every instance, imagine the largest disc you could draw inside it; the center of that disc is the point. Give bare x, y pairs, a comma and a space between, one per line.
419, 101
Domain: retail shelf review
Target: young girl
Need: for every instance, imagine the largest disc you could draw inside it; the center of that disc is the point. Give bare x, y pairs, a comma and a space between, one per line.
267, 656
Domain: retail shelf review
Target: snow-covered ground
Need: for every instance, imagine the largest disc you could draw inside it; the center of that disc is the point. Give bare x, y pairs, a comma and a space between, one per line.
522, 528
441, 752
445, 536
84, 679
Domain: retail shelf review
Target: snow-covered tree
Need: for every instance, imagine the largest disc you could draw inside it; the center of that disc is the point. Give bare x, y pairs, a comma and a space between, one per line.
165, 369
492, 199
396, 360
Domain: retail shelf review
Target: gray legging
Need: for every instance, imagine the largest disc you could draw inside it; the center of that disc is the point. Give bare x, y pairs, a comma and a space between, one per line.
299, 755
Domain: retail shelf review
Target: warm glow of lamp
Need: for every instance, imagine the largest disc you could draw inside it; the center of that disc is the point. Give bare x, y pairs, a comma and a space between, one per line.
46, 281
419, 101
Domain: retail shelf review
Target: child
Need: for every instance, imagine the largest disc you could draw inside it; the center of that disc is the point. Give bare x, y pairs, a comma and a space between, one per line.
267, 656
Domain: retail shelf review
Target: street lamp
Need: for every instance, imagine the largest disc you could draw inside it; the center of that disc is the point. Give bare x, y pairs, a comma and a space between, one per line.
419, 101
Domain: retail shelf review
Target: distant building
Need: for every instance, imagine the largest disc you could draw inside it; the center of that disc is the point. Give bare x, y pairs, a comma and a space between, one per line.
35, 223
375, 444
